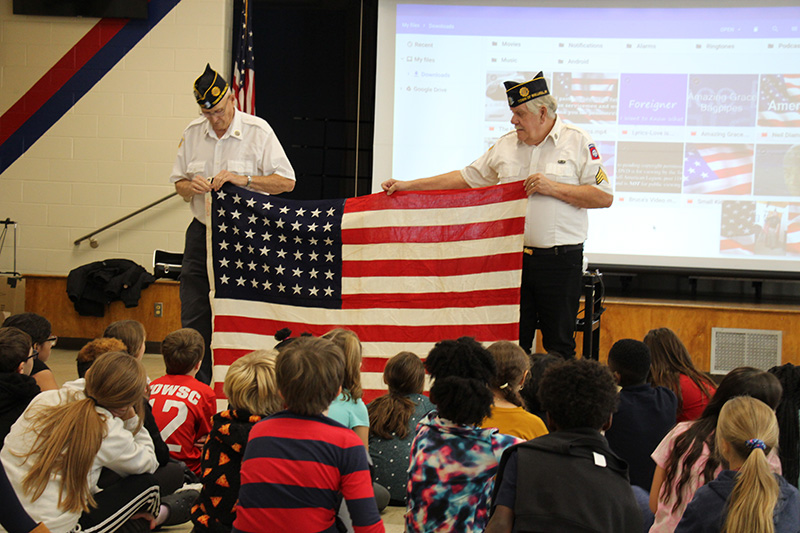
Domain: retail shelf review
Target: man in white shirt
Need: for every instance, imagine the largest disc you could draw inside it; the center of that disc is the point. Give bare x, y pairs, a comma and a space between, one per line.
224, 145
562, 172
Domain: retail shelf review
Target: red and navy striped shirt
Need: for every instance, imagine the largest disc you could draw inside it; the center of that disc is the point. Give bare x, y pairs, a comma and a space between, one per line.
294, 469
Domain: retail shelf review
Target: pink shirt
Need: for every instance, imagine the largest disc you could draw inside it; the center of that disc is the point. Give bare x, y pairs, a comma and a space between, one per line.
666, 520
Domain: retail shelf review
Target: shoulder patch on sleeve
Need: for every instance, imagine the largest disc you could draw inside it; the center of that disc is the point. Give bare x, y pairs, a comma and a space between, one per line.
600, 177
593, 152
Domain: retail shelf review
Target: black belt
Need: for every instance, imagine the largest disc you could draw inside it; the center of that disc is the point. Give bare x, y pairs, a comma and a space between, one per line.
555, 250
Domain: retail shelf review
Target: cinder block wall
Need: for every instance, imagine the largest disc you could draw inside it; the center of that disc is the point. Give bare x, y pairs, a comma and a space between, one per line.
113, 151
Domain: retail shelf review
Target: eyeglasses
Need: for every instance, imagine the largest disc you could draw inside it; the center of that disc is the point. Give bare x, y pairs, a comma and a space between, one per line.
214, 114
34, 354
52, 340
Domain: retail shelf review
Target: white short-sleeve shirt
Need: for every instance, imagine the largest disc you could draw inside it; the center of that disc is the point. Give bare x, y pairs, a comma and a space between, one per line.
566, 155
248, 148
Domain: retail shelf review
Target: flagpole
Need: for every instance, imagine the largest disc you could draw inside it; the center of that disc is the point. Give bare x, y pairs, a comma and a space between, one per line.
358, 92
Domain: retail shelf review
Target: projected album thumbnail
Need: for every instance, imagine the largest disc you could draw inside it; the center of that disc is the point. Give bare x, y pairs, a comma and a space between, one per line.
649, 167
760, 228
496, 100
652, 99
718, 169
586, 98
722, 100
779, 101
777, 171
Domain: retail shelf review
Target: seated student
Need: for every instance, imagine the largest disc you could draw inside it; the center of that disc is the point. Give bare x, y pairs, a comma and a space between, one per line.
17, 388
175, 504
393, 421
672, 367
252, 394
453, 461
41, 332
55, 452
508, 416
540, 362
297, 461
686, 459
645, 413
568, 480
182, 405
348, 408
747, 495
788, 421
132, 333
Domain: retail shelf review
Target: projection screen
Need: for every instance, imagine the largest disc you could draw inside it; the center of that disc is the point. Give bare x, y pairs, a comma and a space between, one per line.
695, 111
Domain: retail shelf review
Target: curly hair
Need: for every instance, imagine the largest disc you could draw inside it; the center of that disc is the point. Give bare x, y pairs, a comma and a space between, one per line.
689, 445
631, 360
461, 370
579, 393
540, 362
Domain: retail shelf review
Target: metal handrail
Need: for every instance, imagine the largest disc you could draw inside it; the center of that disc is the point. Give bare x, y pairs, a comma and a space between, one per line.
93, 242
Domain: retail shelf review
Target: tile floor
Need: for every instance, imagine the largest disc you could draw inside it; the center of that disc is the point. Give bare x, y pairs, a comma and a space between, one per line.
62, 363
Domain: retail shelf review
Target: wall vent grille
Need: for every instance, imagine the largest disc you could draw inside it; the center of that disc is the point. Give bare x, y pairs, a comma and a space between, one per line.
732, 348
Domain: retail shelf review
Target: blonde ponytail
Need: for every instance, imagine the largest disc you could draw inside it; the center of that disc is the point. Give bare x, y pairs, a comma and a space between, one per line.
69, 435
750, 429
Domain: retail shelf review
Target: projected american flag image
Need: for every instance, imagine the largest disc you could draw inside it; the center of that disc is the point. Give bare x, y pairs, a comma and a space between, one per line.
587, 98
738, 229
779, 102
718, 169
402, 271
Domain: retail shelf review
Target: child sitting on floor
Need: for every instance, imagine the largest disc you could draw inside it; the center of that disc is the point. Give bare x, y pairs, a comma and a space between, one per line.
182, 405
747, 495
252, 394
568, 480
298, 461
393, 421
17, 387
508, 415
645, 413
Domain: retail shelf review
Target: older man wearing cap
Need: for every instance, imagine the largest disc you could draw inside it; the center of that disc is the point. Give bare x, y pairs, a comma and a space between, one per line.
562, 172
224, 145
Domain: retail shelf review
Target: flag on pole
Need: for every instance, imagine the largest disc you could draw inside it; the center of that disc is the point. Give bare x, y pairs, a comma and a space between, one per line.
244, 82
402, 271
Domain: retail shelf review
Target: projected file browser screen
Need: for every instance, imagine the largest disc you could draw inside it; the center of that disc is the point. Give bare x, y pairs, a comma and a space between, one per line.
695, 111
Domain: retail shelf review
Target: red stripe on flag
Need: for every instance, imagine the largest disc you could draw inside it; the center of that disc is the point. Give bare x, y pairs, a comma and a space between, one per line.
433, 267
436, 199
432, 300
456, 232
370, 333
60, 73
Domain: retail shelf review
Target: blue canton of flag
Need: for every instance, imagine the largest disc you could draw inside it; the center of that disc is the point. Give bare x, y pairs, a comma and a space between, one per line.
264, 250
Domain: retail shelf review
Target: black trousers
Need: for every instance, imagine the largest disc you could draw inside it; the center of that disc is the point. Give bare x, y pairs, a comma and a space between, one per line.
194, 289
117, 503
549, 298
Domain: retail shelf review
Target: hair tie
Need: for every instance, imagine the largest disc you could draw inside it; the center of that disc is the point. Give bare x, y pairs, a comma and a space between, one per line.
504, 385
92, 398
752, 444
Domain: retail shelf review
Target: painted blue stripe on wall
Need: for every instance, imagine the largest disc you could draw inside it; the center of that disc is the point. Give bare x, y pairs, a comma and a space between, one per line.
81, 83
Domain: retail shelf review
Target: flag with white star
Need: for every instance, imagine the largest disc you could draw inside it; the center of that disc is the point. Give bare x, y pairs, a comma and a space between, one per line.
737, 228
244, 64
718, 169
402, 271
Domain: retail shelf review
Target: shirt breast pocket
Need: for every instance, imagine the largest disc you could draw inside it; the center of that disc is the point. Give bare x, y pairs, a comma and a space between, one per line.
565, 172
240, 167
196, 168
507, 172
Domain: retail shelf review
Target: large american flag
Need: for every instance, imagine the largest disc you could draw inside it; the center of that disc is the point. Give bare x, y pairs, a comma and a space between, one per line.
402, 271
244, 83
738, 230
587, 98
718, 169
779, 104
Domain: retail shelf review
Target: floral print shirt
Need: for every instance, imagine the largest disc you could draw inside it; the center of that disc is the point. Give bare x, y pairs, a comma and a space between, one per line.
451, 475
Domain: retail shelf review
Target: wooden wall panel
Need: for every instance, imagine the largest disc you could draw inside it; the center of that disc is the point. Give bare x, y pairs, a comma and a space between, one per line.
692, 321
47, 296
